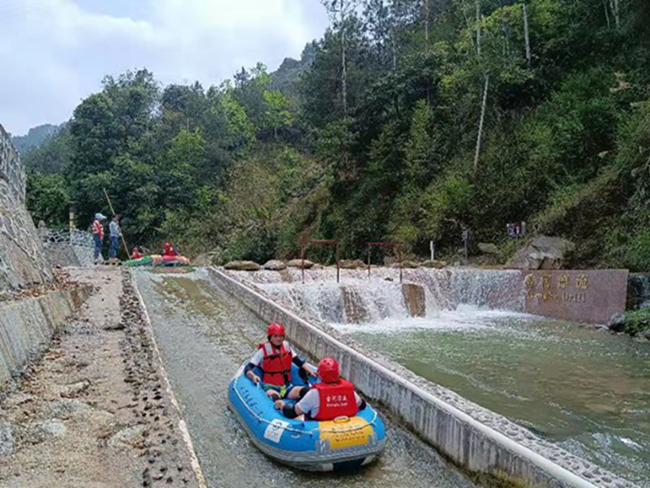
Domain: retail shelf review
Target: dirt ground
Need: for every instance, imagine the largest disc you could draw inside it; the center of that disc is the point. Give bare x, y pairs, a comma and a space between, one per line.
95, 410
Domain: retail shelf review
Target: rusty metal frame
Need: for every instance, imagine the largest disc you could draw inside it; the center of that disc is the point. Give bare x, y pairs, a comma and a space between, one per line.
396, 247
321, 241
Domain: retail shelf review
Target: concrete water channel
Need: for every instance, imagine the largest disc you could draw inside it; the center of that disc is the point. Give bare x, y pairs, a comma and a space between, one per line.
578, 387
204, 335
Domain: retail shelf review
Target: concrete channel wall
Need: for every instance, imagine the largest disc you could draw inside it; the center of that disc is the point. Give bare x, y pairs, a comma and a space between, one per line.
27, 326
472, 437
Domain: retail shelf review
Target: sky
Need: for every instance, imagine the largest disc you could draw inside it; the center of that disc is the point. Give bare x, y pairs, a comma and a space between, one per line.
54, 53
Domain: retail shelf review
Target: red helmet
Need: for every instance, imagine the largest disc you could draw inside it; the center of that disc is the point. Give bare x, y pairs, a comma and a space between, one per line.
166, 246
328, 370
275, 329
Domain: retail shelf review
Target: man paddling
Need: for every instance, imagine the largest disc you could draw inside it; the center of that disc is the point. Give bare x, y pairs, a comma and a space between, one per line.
274, 358
331, 398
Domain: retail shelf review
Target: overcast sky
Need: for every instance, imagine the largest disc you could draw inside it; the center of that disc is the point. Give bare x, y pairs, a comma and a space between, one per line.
53, 53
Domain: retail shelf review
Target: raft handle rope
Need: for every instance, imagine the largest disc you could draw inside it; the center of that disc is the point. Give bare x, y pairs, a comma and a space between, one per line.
310, 432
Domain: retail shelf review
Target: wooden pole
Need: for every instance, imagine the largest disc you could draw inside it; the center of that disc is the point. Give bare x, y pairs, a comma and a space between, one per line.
110, 205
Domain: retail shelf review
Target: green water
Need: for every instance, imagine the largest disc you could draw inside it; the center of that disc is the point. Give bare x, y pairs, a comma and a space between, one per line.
579, 387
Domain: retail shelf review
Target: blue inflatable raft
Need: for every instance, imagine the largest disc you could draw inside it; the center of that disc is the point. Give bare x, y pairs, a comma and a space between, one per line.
311, 445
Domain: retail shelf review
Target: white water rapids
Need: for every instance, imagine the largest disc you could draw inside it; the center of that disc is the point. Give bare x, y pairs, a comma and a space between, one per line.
360, 299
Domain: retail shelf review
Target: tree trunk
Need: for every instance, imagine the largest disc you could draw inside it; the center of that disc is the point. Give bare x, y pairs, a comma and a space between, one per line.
425, 9
607, 14
526, 36
344, 69
478, 27
393, 47
617, 15
480, 125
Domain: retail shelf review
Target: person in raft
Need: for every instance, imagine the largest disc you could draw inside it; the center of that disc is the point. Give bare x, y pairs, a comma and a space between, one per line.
331, 398
168, 250
274, 358
136, 253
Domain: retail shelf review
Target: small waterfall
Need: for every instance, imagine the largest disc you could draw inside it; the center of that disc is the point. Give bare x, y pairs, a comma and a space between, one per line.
362, 299
350, 302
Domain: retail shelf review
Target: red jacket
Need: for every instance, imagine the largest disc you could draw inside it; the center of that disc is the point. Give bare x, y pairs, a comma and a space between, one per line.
336, 400
98, 229
276, 364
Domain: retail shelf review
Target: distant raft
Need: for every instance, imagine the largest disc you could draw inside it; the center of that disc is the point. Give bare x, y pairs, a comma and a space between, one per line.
172, 261
144, 261
344, 443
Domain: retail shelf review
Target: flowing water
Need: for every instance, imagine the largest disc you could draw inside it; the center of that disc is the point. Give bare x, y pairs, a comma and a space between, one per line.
204, 336
574, 385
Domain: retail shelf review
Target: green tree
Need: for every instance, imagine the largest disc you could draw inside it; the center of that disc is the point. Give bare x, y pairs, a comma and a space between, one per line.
277, 113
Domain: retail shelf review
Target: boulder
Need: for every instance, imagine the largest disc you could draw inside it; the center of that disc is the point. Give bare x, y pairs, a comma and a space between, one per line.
435, 264
487, 248
617, 322
414, 299
299, 263
274, 265
351, 264
242, 266
542, 253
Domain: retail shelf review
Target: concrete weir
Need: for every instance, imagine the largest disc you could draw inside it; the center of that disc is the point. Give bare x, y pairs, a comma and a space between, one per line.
27, 326
474, 438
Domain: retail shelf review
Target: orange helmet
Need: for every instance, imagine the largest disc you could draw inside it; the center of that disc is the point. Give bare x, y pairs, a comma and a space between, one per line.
328, 370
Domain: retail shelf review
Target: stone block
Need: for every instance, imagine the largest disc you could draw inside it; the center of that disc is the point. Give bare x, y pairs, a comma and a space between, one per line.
275, 265
414, 299
355, 311
591, 296
242, 266
300, 263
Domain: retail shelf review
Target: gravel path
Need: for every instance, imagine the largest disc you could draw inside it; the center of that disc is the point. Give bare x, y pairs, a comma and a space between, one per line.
95, 410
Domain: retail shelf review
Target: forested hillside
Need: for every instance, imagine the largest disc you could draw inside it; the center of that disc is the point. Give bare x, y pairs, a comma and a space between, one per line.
35, 137
408, 121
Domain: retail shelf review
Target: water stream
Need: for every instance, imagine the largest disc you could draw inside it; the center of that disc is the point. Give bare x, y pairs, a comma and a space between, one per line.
204, 335
574, 385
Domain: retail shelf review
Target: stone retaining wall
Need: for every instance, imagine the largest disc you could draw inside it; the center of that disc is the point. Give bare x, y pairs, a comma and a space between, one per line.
474, 438
27, 326
11, 170
22, 260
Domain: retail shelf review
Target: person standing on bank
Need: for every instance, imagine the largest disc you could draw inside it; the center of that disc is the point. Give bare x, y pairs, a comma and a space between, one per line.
98, 234
115, 233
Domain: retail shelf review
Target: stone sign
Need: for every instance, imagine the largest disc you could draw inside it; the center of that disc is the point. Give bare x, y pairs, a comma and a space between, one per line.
591, 296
